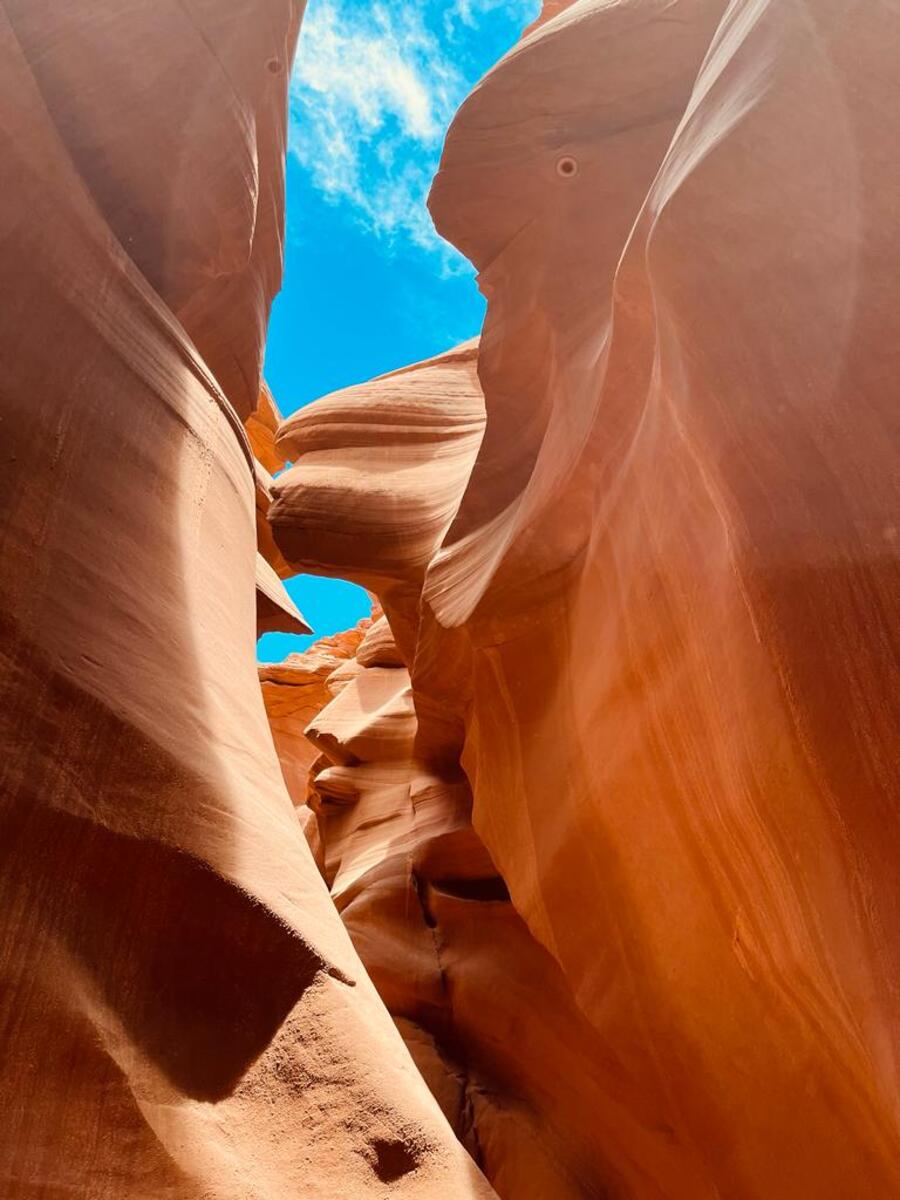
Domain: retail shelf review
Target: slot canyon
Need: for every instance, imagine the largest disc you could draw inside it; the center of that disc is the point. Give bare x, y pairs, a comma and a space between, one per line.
573, 872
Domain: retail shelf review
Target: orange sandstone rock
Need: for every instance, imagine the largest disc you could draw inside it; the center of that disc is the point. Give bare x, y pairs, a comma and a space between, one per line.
262, 426
183, 1014
275, 610
377, 476
676, 572
482, 1006
660, 631
265, 542
293, 692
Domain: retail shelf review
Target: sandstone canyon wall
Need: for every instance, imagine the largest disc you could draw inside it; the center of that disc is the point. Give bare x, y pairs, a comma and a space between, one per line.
605, 795
613, 817
182, 1012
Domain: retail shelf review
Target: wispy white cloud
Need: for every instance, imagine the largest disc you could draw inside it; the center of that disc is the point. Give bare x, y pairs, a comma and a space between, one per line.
371, 95
470, 13
373, 90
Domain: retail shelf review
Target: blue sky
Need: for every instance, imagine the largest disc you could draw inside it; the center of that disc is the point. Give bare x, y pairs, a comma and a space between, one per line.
368, 285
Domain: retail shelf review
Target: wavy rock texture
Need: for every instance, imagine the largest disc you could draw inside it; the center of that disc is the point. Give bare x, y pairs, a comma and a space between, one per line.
275, 610
381, 471
294, 691
262, 429
183, 1014
658, 626
467, 984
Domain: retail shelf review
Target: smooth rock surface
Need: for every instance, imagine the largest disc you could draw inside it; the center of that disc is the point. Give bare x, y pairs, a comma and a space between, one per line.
183, 1015
293, 692
275, 610
607, 801
262, 428
661, 630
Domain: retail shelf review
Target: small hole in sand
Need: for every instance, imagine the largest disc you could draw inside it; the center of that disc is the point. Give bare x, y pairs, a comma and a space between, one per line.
393, 1159
274, 66
566, 166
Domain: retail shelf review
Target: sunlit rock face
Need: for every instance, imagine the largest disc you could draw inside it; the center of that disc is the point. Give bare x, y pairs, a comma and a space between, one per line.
294, 691
659, 630
183, 1015
484, 1008
377, 477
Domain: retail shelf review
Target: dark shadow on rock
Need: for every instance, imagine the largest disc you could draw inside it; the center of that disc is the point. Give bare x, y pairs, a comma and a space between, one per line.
393, 1158
200, 974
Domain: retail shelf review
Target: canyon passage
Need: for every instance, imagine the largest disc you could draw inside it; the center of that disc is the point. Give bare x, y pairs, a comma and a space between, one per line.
572, 872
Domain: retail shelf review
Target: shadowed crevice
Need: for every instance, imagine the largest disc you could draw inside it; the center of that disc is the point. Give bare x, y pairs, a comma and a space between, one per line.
392, 1158
199, 974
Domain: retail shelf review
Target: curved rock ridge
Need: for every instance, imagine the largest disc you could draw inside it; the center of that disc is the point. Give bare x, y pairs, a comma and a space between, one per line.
549, 10
378, 648
275, 610
615, 81
660, 632
183, 1013
466, 983
200, 88
378, 472
265, 542
293, 692
262, 427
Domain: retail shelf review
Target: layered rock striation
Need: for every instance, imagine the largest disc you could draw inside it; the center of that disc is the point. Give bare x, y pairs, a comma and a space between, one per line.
182, 1012
648, 617
606, 800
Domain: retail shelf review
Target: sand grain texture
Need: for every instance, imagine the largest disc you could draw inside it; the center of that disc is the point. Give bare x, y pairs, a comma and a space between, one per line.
657, 627
183, 1015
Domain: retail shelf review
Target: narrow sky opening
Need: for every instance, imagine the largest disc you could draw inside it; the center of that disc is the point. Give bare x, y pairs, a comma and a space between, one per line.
368, 284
